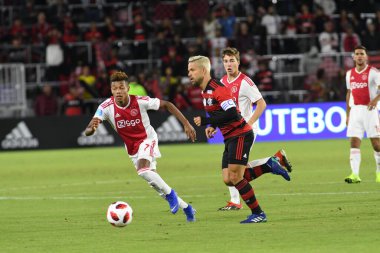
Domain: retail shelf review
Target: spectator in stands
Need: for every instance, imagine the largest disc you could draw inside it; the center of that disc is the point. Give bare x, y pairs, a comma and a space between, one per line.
17, 53
210, 25
93, 34
169, 83
54, 54
46, 103
181, 99
160, 45
18, 30
227, 22
244, 40
174, 61
329, 6
189, 26
371, 38
166, 26
305, 19
69, 29
72, 102
328, 39
153, 84
136, 88
40, 29
139, 32
110, 31
290, 43
317, 90
320, 18
272, 23
349, 40
179, 46
377, 21
87, 80
347, 20
264, 78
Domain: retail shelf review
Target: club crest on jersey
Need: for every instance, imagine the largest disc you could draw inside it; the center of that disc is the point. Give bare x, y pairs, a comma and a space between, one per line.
234, 89
209, 101
134, 112
364, 77
209, 91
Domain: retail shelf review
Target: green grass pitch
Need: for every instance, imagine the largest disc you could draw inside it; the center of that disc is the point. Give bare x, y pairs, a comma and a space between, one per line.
56, 201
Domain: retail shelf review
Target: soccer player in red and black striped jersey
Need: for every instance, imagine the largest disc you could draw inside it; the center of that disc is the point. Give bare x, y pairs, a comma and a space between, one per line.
238, 135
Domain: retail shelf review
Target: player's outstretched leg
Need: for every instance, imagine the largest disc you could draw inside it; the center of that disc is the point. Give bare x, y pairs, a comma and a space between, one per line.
173, 201
277, 169
272, 165
190, 213
283, 159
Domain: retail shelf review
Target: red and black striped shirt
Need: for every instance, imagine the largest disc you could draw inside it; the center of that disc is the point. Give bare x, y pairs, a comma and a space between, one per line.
217, 100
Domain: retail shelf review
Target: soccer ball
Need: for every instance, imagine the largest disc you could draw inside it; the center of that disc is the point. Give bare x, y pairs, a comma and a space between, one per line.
119, 214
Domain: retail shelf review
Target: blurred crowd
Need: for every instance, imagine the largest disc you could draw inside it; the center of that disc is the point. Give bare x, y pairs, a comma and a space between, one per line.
170, 32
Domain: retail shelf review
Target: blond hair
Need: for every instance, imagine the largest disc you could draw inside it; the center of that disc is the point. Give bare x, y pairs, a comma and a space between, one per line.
202, 61
119, 76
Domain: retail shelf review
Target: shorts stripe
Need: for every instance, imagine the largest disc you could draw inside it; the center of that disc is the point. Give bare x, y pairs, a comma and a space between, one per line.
239, 149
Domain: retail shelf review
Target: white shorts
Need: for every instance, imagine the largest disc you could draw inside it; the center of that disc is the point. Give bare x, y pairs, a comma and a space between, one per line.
148, 150
363, 120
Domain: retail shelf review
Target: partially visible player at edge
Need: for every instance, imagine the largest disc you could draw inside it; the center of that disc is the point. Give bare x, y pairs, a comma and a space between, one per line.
363, 84
238, 135
245, 93
127, 114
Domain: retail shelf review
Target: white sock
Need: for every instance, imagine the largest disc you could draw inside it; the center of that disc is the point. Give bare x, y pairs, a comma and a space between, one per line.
377, 159
235, 195
258, 162
157, 183
355, 159
154, 180
182, 204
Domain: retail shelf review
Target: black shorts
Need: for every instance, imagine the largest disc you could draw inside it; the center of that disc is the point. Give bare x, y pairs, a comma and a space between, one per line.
236, 149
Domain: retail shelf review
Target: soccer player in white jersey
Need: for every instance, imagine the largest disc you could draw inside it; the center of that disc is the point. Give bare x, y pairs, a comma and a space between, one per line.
245, 93
363, 84
127, 114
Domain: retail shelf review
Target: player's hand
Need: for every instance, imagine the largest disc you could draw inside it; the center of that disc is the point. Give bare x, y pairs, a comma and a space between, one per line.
95, 123
210, 132
197, 121
190, 132
371, 105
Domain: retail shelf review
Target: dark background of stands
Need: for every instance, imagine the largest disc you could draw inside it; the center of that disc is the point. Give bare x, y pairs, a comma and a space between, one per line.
74, 46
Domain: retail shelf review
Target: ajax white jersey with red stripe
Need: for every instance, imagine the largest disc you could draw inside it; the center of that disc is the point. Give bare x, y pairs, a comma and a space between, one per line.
130, 122
363, 85
245, 92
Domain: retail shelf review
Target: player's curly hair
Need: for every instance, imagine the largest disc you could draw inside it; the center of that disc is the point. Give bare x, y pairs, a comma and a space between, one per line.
119, 76
231, 51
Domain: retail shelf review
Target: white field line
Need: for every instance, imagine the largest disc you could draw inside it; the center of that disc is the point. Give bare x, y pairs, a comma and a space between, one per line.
186, 196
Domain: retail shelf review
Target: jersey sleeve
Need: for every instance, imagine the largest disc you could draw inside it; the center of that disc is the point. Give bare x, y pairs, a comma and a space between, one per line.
102, 112
348, 74
377, 78
149, 103
250, 91
224, 97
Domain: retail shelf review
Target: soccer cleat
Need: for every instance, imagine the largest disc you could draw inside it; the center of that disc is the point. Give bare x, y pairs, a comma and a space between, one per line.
190, 213
173, 201
352, 179
231, 207
277, 169
377, 177
255, 218
283, 159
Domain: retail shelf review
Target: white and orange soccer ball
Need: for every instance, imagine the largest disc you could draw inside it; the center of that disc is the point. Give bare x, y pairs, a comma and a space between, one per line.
119, 214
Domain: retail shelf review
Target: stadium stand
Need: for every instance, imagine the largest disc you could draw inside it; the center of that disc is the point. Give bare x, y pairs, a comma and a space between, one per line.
295, 39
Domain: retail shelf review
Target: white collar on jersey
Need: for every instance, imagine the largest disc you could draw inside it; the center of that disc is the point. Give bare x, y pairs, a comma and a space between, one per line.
361, 70
234, 79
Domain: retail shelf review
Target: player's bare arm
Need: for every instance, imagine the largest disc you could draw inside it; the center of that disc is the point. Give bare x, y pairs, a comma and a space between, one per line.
189, 129
92, 126
260, 107
348, 108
